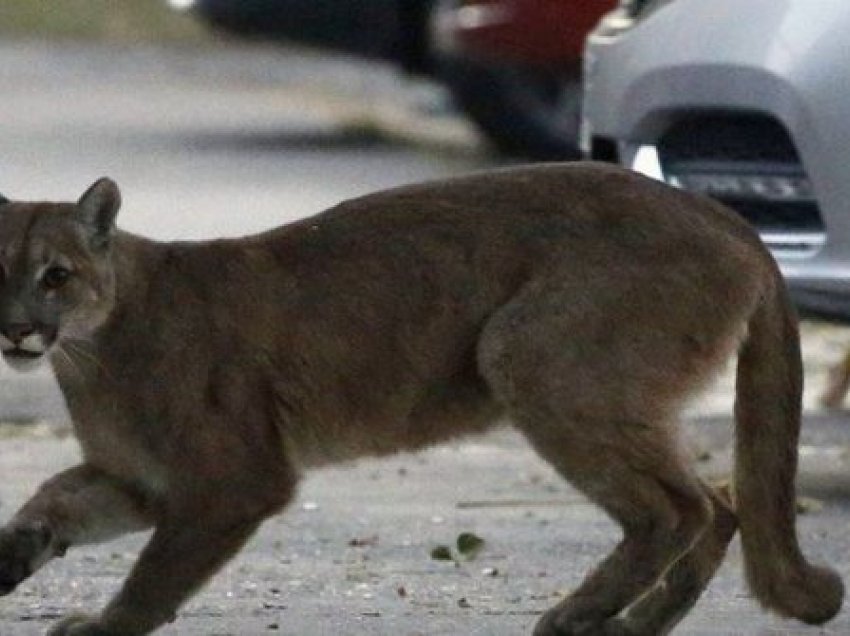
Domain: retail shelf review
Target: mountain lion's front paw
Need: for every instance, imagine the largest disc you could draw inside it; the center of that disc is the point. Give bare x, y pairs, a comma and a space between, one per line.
22, 550
79, 625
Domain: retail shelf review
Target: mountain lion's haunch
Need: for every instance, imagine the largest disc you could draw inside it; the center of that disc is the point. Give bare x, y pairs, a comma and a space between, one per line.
582, 302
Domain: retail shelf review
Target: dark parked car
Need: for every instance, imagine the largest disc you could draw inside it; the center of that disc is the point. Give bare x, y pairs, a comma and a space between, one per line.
512, 65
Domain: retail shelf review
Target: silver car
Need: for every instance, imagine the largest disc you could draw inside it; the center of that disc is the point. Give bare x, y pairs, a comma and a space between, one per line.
747, 101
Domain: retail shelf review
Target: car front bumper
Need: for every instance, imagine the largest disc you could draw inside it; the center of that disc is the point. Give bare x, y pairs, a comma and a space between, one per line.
772, 78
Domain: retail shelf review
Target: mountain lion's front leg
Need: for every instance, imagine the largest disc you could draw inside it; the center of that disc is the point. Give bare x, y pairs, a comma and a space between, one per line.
193, 539
80, 505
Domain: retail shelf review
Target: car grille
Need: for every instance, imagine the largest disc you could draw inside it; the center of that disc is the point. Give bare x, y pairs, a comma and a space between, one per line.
748, 162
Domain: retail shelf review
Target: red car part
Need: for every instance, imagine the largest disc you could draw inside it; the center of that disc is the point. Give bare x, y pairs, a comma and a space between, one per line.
544, 33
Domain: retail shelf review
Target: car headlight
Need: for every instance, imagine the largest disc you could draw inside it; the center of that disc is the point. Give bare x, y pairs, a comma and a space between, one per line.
627, 15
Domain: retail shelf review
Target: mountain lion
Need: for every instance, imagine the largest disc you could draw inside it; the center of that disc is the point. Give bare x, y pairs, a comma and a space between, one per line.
583, 302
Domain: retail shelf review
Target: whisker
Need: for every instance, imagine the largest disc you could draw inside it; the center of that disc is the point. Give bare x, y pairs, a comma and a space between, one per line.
66, 358
78, 349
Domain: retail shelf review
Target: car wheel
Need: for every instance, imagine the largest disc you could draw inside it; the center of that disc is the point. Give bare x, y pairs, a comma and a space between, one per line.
523, 111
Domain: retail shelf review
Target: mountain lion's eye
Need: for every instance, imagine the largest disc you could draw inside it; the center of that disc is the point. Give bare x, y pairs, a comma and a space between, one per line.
55, 277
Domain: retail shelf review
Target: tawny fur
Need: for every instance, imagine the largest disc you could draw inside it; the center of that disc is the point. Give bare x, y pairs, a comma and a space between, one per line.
584, 303
837, 383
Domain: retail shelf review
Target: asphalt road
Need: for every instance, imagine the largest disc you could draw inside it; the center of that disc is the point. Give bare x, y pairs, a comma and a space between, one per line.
225, 142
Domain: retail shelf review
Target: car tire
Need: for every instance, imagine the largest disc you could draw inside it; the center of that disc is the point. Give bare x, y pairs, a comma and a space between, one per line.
526, 112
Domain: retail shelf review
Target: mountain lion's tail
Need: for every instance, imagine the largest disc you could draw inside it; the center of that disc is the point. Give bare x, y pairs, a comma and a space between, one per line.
768, 412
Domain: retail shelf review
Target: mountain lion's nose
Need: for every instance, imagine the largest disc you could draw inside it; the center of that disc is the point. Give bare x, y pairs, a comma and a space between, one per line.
16, 332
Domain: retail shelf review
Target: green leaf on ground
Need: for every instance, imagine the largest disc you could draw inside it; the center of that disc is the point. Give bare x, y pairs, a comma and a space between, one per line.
442, 553
469, 544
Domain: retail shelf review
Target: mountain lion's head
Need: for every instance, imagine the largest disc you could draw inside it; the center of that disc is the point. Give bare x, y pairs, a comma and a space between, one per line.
56, 277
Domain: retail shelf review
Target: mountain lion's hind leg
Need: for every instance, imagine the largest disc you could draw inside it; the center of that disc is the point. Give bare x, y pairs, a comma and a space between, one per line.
680, 588
80, 505
658, 504
594, 393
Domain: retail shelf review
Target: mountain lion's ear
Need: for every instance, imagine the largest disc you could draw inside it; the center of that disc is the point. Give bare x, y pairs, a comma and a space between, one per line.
98, 207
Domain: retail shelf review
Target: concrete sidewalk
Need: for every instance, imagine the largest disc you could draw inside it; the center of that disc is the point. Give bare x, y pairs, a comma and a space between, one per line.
352, 555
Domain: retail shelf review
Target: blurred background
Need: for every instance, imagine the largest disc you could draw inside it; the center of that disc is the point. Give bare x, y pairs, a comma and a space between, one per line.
206, 133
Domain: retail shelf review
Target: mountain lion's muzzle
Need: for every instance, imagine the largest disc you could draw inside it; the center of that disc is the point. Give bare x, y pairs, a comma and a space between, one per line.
23, 344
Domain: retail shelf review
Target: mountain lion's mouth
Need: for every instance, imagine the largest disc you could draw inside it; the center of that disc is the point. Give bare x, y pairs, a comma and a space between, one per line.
23, 354
23, 360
